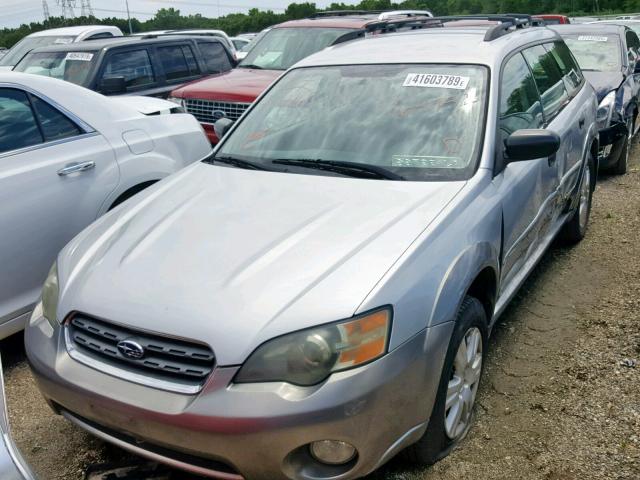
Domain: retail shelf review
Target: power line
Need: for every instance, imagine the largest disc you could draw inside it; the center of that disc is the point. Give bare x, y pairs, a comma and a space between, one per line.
85, 8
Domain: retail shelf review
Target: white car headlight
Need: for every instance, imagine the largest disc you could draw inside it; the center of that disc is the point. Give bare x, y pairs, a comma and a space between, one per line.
605, 110
309, 356
176, 100
50, 293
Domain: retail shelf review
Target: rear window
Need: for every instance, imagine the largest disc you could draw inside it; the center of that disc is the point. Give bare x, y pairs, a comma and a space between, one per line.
27, 44
134, 66
596, 52
73, 67
178, 62
280, 48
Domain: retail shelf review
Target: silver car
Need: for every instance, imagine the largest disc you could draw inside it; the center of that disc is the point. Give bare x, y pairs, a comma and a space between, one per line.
317, 295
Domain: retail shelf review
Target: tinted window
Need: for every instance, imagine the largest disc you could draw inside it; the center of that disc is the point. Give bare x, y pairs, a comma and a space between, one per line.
519, 101
134, 66
178, 62
18, 127
215, 57
97, 36
548, 78
568, 66
54, 124
633, 44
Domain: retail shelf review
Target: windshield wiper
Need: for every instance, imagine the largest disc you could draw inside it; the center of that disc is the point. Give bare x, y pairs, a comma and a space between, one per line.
236, 162
250, 65
352, 169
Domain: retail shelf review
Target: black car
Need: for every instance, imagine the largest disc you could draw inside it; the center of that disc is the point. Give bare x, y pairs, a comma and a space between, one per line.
608, 55
131, 65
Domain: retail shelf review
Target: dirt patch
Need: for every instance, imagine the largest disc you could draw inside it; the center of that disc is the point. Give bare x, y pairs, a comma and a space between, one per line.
560, 398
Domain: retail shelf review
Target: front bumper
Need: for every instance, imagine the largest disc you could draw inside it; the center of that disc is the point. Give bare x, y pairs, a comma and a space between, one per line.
255, 430
611, 144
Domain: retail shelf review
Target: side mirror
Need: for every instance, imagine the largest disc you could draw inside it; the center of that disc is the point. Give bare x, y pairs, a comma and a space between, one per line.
113, 85
222, 126
531, 144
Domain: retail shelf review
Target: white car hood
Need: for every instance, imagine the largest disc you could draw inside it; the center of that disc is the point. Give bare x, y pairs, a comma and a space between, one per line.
235, 257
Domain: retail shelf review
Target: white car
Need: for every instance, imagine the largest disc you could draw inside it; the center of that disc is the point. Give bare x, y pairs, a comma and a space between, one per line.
67, 156
56, 36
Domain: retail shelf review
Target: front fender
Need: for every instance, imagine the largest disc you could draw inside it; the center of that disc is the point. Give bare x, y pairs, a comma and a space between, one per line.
459, 278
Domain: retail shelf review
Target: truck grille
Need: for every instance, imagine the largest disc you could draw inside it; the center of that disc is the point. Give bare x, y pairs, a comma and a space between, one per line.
204, 110
145, 354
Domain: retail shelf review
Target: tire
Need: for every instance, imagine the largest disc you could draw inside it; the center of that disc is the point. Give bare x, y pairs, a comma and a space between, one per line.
620, 168
130, 193
576, 227
440, 438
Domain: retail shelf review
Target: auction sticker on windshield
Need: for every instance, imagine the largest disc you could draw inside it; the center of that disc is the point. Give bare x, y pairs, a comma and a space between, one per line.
435, 80
592, 38
81, 56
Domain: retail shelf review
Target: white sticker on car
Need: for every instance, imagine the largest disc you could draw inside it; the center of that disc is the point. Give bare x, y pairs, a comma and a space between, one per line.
80, 56
436, 80
592, 38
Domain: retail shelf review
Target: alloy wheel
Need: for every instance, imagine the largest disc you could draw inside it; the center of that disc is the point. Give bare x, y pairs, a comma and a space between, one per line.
463, 385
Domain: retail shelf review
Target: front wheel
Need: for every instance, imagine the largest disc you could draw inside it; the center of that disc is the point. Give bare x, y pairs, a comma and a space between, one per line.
452, 413
576, 227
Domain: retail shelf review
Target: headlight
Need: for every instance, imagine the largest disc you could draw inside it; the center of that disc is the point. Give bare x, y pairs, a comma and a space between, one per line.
176, 100
605, 110
50, 296
309, 356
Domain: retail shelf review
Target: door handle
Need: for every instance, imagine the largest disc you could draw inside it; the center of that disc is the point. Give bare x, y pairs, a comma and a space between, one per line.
76, 167
581, 122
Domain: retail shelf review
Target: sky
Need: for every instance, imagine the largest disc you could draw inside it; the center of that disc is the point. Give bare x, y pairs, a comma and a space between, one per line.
15, 12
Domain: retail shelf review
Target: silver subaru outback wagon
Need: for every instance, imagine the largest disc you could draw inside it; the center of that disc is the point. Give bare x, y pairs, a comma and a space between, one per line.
317, 295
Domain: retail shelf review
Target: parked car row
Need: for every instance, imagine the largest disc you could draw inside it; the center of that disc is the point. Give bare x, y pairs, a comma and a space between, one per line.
315, 295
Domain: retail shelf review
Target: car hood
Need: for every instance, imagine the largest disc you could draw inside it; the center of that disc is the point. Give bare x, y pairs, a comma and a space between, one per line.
604, 82
237, 85
235, 257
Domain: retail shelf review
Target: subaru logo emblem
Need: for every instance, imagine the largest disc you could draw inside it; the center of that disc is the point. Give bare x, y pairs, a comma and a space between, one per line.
131, 349
218, 114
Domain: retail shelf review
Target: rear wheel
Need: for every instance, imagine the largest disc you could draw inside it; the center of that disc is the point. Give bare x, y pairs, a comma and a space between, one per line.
452, 413
576, 228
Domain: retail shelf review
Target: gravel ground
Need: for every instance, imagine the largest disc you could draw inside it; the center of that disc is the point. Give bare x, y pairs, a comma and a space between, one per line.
560, 398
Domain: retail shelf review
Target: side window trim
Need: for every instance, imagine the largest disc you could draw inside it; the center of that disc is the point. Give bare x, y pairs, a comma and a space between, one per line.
86, 129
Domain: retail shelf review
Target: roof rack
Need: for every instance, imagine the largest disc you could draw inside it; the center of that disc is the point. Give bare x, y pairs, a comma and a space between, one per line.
412, 23
344, 13
506, 22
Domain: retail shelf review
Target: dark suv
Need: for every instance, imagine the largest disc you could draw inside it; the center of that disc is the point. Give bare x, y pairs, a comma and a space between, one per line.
133, 65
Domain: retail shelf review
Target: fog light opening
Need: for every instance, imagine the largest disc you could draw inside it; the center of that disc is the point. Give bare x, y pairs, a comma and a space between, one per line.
332, 452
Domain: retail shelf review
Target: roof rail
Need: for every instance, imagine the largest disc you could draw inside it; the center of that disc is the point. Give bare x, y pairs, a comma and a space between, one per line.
506, 22
404, 13
412, 23
344, 13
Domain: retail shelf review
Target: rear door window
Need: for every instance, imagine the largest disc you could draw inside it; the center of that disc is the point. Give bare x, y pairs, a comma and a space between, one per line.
55, 125
215, 57
520, 105
133, 65
549, 80
569, 68
178, 62
18, 125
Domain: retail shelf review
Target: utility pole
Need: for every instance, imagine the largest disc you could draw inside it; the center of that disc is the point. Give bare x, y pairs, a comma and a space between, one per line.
67, 7
45, 10
129, 18
85, 8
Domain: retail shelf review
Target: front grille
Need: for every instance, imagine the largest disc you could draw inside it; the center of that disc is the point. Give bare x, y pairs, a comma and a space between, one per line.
162, 358
208, 111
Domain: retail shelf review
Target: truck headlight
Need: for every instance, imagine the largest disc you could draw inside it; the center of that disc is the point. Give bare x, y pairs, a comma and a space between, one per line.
176, 100
309, 356
50, 293
605, 110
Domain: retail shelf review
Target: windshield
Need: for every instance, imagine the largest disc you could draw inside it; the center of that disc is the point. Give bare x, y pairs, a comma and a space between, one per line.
280, 48
27, 44
70, 66
420, 122
599, 53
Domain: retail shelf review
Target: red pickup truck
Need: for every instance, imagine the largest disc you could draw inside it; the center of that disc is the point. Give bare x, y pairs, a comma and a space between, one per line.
229, 94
